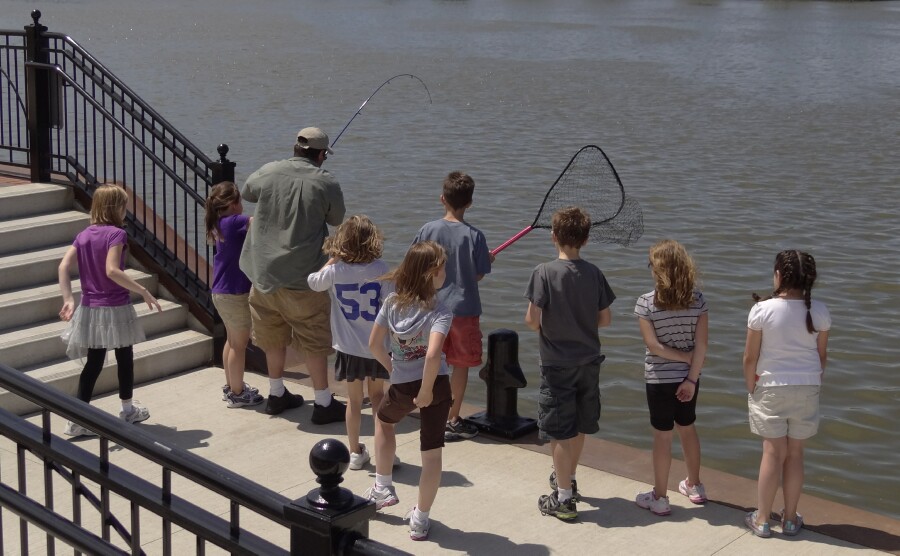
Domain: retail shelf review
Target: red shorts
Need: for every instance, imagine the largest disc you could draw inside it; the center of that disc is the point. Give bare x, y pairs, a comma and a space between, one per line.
462, 345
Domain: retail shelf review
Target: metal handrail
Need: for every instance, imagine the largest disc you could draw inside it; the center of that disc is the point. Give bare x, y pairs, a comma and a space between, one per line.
236, 488
122, 129
134, 98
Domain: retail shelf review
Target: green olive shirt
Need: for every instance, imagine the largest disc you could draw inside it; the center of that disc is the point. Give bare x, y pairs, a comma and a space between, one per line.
295, 202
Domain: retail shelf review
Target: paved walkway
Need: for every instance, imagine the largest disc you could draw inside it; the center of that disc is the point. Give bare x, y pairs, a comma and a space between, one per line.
487, 501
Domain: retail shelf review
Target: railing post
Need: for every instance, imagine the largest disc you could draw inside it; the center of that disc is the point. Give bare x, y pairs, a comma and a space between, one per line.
330, 518
504, 377
37, 83
222, 169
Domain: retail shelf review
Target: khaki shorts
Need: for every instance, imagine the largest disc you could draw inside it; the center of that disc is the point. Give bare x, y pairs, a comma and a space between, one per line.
292, 317
778, 411
234, 310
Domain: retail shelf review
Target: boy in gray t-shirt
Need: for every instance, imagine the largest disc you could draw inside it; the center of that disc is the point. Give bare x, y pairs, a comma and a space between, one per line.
569, 299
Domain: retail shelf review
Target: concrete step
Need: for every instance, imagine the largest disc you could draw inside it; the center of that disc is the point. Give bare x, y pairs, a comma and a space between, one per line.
23, 307
36, 345
156, 358
39, 232
19, 201
34, 267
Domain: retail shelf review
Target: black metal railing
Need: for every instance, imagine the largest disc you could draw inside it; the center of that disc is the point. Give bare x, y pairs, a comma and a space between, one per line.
85, 125
333, 528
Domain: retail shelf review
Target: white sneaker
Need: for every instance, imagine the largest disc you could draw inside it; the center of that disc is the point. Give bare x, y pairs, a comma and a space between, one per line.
382, 498
358, 461
138, 413
659, 505
695, 493
74, 429
417, 531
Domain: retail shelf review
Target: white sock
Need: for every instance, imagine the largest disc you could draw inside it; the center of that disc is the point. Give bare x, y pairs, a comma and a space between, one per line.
323, 397
419, 516
276, 387
564, 494
126, 406
383, 481
572, 478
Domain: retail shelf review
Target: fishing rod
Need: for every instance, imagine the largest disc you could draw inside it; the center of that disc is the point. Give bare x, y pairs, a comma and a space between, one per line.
361, 106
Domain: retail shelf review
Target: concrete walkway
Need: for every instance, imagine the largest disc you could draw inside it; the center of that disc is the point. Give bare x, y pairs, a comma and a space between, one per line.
487, 503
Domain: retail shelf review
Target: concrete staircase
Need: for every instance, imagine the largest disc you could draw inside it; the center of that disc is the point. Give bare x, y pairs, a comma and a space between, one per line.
37, 224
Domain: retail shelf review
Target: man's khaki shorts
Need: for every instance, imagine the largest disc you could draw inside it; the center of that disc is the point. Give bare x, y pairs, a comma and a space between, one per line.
297, 318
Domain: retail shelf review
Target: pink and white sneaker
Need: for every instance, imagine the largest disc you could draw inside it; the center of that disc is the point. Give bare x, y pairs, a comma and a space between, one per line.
695, 493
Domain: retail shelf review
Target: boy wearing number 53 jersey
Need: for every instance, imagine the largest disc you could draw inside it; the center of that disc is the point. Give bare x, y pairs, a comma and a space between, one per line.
351, 278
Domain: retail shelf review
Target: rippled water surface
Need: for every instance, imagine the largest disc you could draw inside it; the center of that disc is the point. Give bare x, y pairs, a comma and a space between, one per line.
743, 128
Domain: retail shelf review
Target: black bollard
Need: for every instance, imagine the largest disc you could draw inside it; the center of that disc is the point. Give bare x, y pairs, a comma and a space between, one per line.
330, 519
504, 377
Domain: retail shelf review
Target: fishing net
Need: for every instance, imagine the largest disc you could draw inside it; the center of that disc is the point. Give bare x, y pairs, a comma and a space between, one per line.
589, 181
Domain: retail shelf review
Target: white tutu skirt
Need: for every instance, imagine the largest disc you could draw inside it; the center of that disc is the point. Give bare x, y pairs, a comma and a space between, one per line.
101, 327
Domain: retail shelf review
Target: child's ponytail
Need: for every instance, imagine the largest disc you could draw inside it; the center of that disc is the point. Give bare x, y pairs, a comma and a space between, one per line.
221, 197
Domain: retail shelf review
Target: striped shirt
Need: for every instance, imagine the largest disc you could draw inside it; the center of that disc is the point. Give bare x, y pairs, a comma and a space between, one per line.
674, 328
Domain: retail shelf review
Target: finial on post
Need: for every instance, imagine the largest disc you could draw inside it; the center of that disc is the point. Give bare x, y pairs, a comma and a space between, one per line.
223, 153
329, 460
36, 15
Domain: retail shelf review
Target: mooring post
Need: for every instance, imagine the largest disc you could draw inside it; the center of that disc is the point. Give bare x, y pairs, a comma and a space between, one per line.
504, 377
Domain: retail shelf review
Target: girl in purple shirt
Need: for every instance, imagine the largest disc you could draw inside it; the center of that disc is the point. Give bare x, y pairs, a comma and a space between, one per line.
105, 318
226, 228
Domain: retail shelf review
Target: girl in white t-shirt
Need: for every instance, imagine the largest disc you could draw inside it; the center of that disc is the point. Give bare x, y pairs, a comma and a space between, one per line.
784, 360
351, 278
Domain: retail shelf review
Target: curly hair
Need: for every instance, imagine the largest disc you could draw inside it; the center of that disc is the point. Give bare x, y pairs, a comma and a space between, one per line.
413, 279
221, 197
356, 241
674, 275
571, 226
107, 204
798, 272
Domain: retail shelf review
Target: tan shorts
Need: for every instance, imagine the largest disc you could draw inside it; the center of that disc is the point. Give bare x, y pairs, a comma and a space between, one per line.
292, 317
234, 310
778, 411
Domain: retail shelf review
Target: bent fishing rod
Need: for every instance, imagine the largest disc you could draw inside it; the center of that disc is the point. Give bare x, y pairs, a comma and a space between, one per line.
375, 92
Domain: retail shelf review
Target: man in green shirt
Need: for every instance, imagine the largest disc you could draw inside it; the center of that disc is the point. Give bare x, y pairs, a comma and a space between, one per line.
295, 201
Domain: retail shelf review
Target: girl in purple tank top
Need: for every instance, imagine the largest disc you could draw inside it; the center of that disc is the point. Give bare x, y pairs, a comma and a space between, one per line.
226, 228
105, 318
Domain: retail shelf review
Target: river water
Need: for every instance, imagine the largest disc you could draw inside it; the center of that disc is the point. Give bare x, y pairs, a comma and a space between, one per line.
742, 128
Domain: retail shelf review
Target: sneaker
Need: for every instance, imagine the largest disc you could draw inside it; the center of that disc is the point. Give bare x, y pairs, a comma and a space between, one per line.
417, 531
659, 505
555, 486
459, 430
758, 529
695, 493
549, 504
335, 412
137, 414
791, 528
226, 389
277, 404
74, 429
358, 461
382, 498
245, 398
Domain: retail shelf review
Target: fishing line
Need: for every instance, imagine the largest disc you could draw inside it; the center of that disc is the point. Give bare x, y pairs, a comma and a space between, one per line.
363, 105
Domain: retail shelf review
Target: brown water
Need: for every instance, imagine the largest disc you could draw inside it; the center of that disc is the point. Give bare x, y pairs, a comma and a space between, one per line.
743, 128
